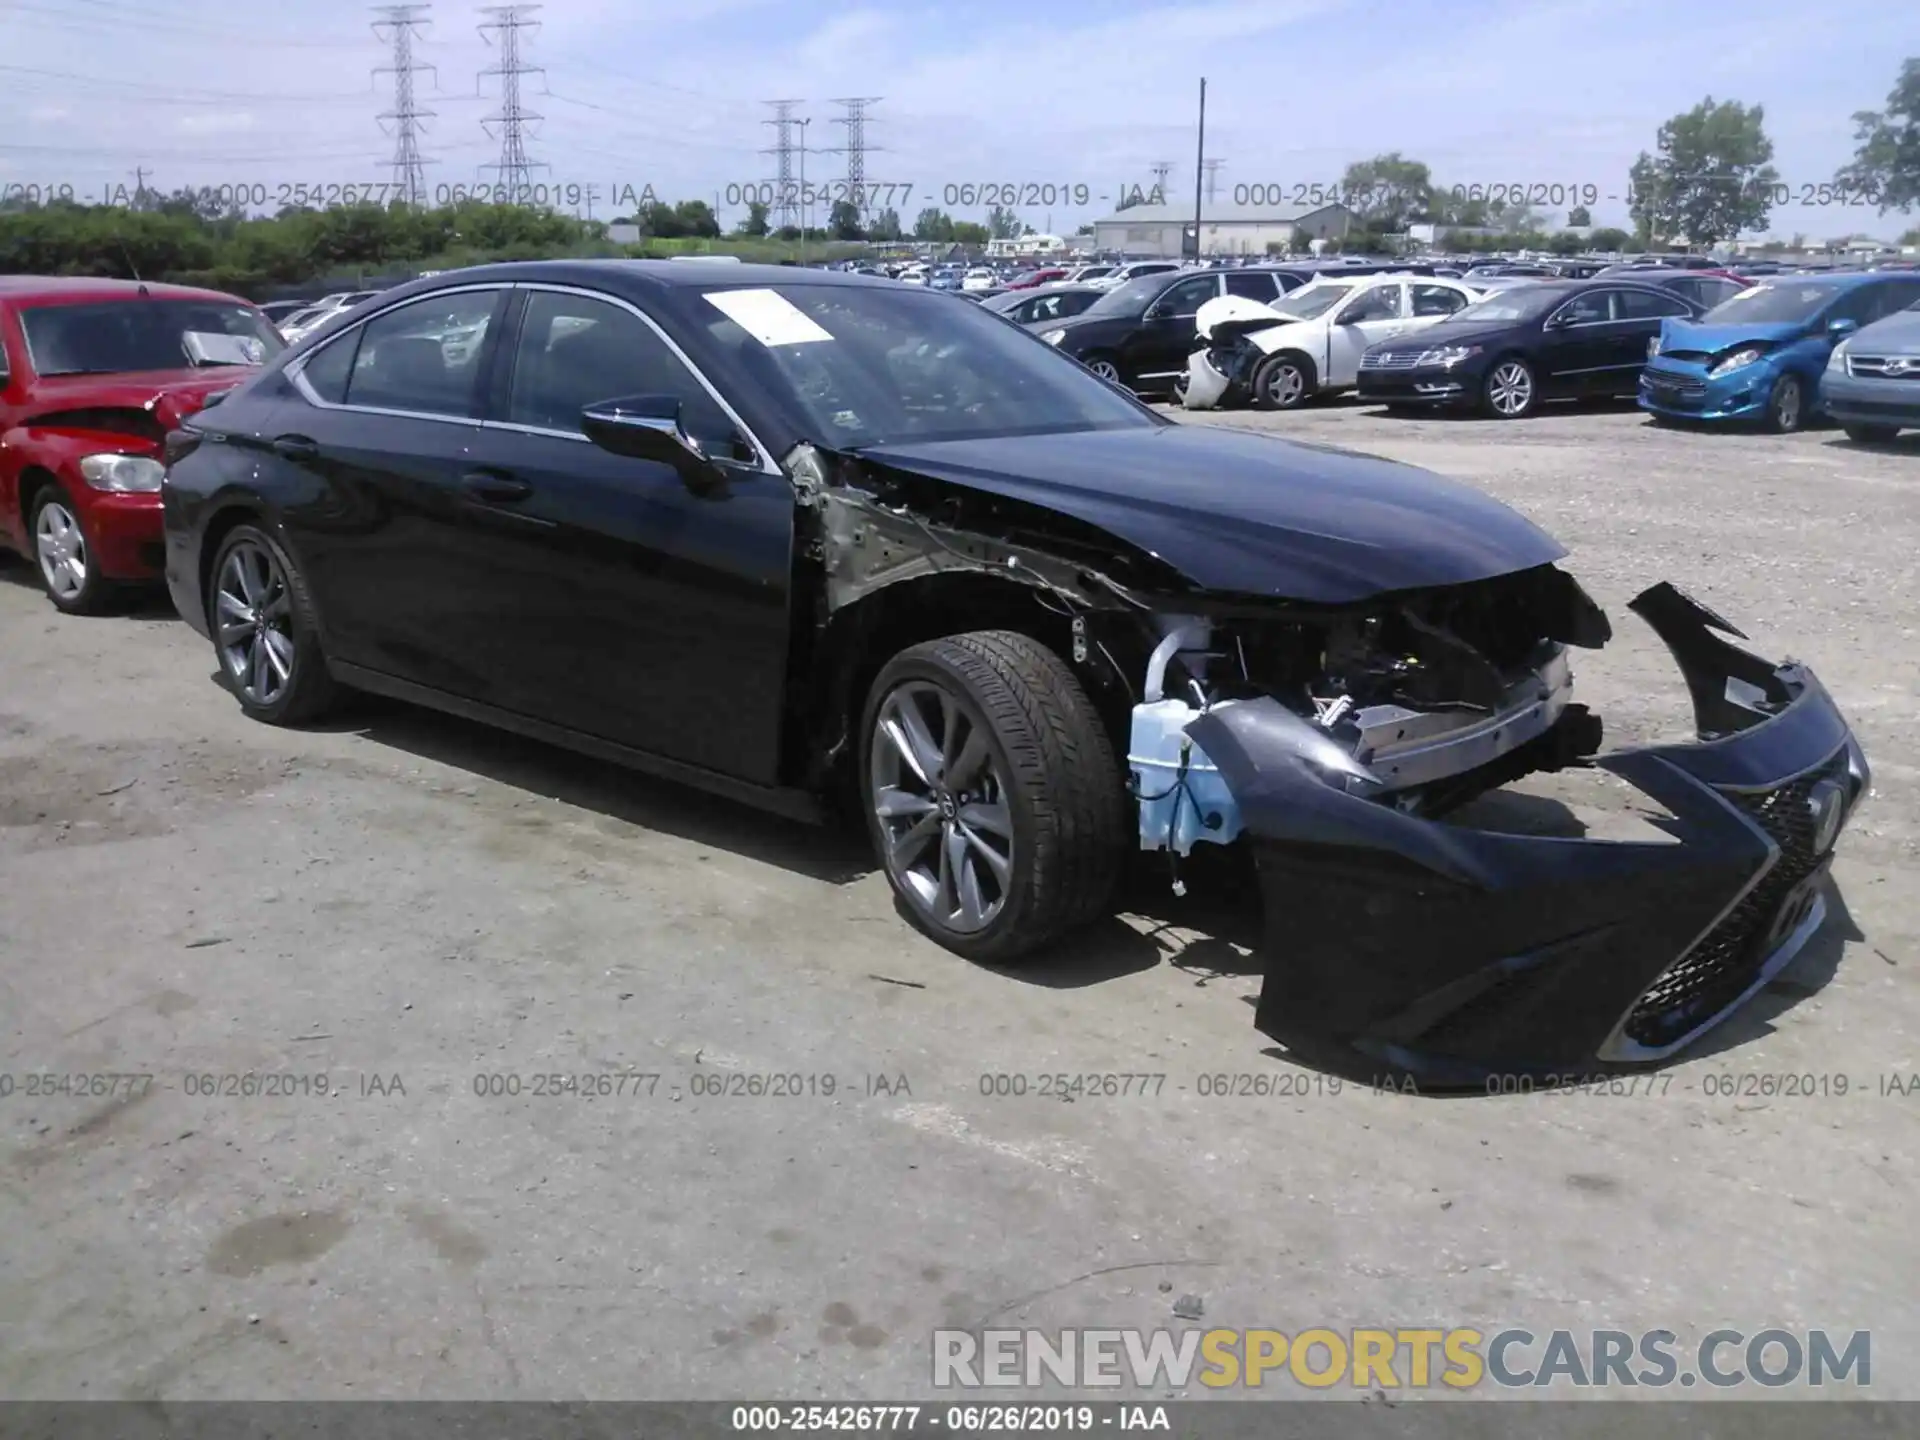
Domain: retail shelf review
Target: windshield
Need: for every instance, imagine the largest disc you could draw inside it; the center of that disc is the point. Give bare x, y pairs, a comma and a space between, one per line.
885, 366
1310, 301
1523, 302
1130, 297
1771, 304
124, 336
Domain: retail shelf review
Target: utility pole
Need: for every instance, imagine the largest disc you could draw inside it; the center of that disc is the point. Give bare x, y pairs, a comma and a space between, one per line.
401, 27
140, 188
1199, 167
782, 151
855, 148
513, 118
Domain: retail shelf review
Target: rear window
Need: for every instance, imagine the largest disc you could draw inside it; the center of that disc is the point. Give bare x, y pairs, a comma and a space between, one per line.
126, 336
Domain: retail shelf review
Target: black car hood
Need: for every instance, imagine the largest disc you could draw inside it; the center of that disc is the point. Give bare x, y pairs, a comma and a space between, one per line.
1447, 332
1246, 514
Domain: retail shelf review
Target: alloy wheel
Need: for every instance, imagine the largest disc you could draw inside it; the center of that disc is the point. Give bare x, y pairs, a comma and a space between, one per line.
1105, 369
1510, 391
941, 802
1786, 405
1283, 386
253, 610
62, 550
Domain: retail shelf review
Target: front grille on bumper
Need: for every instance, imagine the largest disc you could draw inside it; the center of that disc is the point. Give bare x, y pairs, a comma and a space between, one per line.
1717, 971
1882, 367
1665, 388
1402, 360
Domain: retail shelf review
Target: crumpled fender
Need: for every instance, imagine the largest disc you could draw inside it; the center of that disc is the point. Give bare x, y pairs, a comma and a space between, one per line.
1238, 311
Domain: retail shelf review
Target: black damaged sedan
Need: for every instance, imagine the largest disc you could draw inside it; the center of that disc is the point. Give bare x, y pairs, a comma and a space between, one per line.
821, 542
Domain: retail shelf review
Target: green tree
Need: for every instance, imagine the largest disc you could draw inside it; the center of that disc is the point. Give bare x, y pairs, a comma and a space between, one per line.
1912, 237
1711, 178
1579, 218
695, 217
1002, 223
843, 222
933, 224
886, 226
1388, 192
970, 234
1886, 166
661, 221
755, 224
1609, 238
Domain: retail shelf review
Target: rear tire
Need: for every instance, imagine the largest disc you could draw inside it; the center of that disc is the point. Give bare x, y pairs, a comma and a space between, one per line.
265, 636
1105, 367
1786, 406
992, 795
1871, 434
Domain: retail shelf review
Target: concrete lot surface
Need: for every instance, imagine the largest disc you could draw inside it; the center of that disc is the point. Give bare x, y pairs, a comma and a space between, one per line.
403, 905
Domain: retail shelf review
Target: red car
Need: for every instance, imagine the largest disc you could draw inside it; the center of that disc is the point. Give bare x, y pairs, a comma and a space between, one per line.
93, 374
1027, 280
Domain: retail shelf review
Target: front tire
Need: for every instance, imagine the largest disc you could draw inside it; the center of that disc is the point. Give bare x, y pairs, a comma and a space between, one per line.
261, 616
64, 557
1872, 434
1786, 406
1283, 382
992, 794
1106, 367
1512, 391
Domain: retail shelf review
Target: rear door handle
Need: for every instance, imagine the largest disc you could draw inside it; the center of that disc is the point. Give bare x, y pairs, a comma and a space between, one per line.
296, 447
495, 488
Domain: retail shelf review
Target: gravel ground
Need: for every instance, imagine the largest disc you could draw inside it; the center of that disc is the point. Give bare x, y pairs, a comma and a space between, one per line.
402, 903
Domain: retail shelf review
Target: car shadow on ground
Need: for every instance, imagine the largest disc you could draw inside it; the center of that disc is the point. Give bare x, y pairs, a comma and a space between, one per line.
145, 602
1214, 931
1906, 443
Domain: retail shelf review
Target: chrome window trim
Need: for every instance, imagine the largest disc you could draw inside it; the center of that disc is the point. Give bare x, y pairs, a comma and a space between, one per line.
767, 465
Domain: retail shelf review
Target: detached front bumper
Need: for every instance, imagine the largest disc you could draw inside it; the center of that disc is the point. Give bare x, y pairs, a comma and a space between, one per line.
1455, 954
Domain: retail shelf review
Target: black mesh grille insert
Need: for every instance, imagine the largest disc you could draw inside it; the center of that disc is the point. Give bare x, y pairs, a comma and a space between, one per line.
1712, 975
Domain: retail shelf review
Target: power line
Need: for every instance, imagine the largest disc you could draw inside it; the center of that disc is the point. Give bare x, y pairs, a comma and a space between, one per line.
514, 167
785, 202
856, 147
409, 167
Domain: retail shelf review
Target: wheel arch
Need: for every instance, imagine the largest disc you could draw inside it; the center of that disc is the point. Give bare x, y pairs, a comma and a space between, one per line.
227, 517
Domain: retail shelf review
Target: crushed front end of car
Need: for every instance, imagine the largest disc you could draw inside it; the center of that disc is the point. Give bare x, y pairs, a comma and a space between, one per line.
1448, 953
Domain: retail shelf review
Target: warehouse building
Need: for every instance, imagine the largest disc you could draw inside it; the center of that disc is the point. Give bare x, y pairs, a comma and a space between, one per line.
1158, 231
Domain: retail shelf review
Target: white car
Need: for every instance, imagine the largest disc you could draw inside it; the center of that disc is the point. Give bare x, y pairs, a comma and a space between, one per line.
1133, 271
913, 275
979, 278
1310, 342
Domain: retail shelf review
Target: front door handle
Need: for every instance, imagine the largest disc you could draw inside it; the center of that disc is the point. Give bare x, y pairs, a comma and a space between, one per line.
296, 447
495, 488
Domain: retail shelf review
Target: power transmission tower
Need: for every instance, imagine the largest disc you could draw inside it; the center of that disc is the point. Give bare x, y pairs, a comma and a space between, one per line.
409, 167
785, 203
512, 118
856, 147
1213, 173
1161, 170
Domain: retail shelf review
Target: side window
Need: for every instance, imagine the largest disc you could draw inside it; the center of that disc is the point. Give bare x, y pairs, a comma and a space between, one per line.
1646, 305
1437, 300
1251, 285
422, 357
1860, 304
1592, 307
575, 350
1188, 296
1891, 296
327, 369
1381, 302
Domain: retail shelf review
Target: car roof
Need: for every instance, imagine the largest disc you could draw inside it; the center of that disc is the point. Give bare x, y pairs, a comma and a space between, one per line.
65, 289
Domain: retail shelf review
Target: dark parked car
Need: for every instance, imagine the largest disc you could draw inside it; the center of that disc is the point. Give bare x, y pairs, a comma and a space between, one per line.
1556, 340
1048, 302
806, 538
1872, 384
1707, 288
1139, 333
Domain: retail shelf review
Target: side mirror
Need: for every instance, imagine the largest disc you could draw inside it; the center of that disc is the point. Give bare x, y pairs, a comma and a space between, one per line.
647, 427
1837, 328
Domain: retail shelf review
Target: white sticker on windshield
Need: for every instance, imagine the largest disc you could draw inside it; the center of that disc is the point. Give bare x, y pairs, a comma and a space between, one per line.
768, 316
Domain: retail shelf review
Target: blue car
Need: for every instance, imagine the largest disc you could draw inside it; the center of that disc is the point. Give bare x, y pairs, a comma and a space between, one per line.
1759, 356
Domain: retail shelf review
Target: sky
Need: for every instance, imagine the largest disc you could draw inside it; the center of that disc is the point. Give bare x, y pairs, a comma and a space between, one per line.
1073, 102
